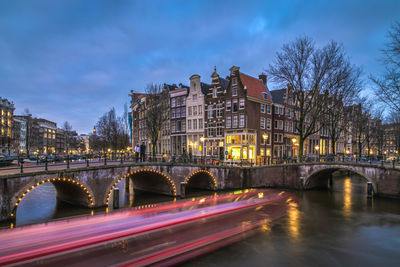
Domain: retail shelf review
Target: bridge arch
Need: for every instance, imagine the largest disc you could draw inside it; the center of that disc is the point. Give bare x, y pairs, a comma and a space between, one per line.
153, 177
201, 179
319, 177
69, 190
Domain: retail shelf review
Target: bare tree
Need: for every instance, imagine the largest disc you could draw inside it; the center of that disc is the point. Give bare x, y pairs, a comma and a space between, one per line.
360, 125
309, 71
388, 86
156, 110
342, 89
111, 131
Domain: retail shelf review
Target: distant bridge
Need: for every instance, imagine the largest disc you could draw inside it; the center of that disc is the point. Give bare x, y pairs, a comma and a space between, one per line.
93, 186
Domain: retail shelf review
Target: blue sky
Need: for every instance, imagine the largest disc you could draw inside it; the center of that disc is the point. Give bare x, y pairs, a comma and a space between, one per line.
74, 60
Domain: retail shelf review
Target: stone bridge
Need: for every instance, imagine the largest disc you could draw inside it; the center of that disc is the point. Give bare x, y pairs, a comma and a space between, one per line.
93, 186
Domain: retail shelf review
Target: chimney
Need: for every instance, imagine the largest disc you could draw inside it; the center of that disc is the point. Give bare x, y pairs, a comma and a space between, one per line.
263, 77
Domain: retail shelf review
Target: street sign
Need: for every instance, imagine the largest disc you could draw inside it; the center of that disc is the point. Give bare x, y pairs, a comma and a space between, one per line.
226, 153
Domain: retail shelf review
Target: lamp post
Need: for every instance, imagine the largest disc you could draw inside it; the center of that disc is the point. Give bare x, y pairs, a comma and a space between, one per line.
202, 153
317, 149
294, 141
265, 138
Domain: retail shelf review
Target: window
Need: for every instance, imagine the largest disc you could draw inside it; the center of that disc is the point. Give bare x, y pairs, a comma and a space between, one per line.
280, 124
179, 126
228, 122
200, 123
178, 101
195, 97
241, 121
234, 80
286, 126
194, 124
220, 108
195, 111
189, 111
234, 91
262, 123
183, 126
241, 103
173, 102
178, 113
173, 114
215, 92
228, 105
183, 100
265, 96
173, 126
200, 109
210, 111
275, 137
219, 129
276, 110
210, 130
235, 105
235, 122
189, 124
280, 111
268, 109
262, 108
291, 126
276, 124
183, 111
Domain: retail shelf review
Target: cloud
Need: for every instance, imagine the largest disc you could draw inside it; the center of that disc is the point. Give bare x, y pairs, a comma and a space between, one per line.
73, 60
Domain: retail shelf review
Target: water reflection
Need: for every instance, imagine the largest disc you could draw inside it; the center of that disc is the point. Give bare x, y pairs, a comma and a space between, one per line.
294, 220
347, 186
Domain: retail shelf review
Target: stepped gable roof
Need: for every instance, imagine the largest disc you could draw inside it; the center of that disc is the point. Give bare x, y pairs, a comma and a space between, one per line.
278, 96
255, 87
204, 88
224, 83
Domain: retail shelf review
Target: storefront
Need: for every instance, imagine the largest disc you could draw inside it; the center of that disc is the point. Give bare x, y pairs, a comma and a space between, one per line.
240, 146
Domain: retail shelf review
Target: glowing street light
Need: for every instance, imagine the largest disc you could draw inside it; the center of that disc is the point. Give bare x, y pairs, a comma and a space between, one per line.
265, 137
317, 149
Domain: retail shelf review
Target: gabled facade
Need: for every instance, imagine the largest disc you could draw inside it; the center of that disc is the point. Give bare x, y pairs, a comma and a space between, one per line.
178, 120
195, 115
248, 123
215, 116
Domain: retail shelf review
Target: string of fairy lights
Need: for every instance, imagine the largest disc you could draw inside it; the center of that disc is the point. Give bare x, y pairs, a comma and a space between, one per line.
90, 197
66, 180
139, 171
214, 181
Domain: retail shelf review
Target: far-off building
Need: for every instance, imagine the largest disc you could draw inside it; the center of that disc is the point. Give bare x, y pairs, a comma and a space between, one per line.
6, 125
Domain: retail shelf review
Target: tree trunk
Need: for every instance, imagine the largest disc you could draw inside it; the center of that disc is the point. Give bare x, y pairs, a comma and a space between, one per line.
333, 146
301, 145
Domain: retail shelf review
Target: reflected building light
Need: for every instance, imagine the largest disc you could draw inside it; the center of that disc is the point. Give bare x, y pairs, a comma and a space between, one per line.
347, 196
294, 221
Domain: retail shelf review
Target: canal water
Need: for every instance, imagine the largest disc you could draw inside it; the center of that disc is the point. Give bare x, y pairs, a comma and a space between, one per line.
329, 228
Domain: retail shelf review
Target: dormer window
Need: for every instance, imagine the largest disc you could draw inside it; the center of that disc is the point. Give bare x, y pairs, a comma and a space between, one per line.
234, 80
265, 96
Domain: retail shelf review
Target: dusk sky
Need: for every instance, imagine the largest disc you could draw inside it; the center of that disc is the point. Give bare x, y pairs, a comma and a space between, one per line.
74, 60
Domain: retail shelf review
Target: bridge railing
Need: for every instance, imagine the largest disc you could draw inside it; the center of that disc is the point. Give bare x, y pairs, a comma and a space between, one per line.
48, 163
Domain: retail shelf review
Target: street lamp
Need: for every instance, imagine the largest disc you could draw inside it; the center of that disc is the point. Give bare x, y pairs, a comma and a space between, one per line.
265, 137
202, 142
294, 141
317, 149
